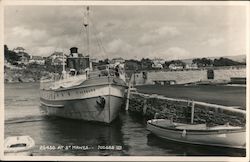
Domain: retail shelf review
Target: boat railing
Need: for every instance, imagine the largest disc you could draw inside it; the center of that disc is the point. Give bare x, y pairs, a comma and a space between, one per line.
55, 81
108, 71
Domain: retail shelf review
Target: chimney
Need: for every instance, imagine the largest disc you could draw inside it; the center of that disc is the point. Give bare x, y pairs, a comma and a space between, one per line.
73, 51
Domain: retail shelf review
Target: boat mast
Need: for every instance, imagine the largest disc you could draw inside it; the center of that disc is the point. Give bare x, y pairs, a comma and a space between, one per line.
86, 25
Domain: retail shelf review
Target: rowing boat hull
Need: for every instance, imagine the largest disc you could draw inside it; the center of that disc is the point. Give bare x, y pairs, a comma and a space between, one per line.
223, 138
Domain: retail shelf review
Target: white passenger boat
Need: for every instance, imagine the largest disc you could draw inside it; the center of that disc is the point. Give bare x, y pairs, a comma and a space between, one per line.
83, 92
18, 145
222, 135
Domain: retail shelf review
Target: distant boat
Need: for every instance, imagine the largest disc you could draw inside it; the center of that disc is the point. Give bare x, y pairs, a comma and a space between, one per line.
18, 145
222, 135
83, 92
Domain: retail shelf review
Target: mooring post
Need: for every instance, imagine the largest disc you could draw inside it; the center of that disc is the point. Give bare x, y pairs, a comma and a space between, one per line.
144, 110
192, 112
128, 95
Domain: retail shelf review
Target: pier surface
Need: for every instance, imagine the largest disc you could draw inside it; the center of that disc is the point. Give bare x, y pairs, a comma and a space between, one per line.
221, 95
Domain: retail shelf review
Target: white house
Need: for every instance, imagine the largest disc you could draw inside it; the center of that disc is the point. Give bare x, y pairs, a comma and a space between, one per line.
117, 60
157, 66
175, 67
158, 63
37, 60
19, 49
57, 58
191, 66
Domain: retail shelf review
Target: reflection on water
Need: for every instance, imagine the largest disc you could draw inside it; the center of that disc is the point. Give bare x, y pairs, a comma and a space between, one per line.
127, 132
67, 132
126, 136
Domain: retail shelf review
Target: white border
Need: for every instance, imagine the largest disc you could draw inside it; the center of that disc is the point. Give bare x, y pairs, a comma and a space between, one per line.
119, 158
126, 3
1, 78
248, 77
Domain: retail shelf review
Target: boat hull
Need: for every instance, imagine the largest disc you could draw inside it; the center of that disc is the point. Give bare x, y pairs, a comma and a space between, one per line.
223, 138
99, 102
18, 145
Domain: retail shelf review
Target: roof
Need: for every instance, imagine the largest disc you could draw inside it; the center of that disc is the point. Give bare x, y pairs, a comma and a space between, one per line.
158, 59
37, 58
19, 48
118, 58
57, 54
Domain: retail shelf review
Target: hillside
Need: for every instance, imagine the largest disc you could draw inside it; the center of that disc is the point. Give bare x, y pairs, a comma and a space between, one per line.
238, 58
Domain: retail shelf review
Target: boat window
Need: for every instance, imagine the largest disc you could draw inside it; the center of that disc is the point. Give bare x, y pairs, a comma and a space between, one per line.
18, 145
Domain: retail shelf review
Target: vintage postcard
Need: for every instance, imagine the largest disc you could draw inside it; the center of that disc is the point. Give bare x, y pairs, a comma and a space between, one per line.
125, 80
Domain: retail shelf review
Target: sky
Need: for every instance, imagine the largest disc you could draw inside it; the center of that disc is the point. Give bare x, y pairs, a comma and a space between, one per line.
130, 32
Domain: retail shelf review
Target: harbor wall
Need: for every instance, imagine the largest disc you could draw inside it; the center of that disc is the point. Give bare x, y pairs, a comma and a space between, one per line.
179, 110
227, 74
180, 77
188, 76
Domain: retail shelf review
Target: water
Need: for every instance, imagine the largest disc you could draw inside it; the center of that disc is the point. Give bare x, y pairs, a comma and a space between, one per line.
126, 136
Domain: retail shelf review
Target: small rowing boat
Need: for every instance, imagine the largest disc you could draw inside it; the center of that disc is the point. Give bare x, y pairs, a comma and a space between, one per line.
221, 135
18, 145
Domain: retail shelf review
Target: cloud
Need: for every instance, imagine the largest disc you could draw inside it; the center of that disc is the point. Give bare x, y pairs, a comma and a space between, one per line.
167, 30
128, 31
213, 42
174, 53
159, 34
44, 49
119, 47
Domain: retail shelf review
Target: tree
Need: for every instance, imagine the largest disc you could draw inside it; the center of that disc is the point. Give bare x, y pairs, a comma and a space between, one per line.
175, 62
132, 65
10, 56
204, 62
226, 62
146, 64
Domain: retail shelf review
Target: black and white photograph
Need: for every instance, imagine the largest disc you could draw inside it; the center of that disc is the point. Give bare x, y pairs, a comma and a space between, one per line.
146, 80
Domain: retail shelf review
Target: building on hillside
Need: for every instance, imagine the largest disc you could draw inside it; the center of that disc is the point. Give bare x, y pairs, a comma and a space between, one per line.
56, 58
117, 60
24, 59
23, 56
158, 63
175, 67
157, 66
37, 60
19, 50
191, 66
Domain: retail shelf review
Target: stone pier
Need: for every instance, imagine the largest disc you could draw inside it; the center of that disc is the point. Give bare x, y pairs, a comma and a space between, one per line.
180, 110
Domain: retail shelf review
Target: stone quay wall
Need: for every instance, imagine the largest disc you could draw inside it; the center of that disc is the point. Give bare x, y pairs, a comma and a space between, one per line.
189, 76
180, 110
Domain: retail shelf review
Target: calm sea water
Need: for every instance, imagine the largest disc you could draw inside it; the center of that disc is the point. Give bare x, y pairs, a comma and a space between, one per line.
126, 136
